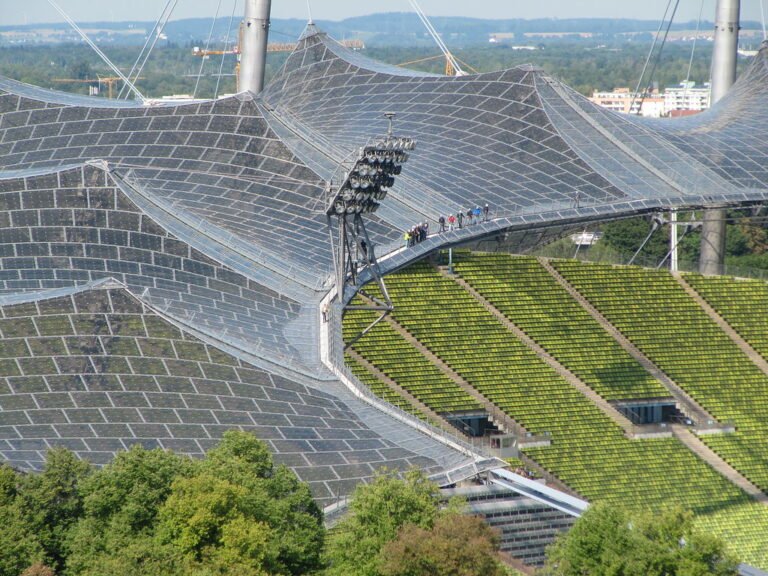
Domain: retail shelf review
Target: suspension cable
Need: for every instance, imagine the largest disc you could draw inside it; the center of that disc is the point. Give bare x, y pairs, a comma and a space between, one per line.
155, 31
207, 46
143, 48
685, 233
762, 14
436, 37
650, 55
155, 39
658, 55
693, 51
655, 225
226, 49
96, 49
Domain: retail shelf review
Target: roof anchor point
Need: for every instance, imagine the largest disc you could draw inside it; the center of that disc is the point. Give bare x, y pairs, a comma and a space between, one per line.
390, 116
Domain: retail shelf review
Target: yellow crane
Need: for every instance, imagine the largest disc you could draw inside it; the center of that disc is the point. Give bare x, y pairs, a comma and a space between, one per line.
449, 68
110, 81
275, 47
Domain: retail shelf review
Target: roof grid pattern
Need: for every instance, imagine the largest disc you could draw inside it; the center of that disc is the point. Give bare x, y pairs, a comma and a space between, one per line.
727, 142
98, 371
485, 138
217, 160
75, 226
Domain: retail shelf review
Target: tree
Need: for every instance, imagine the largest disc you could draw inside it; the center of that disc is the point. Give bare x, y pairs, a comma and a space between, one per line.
626, 236
51, 503
8, 485
19, 547
378, 512
210, 520
155, 513
141, 556
456, 546
81, 70
608, 540
241, 510
120, 504
38, 569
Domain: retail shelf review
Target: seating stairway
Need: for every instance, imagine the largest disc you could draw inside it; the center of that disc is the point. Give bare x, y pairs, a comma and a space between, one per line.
521, 289
741, 303
589, 451
651, 309
399, 360
744, 305
380, 389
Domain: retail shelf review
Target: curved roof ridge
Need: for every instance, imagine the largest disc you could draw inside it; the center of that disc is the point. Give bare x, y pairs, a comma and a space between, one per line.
41, 170
15, 298
750, 84
359, 60
49, 96
661, 159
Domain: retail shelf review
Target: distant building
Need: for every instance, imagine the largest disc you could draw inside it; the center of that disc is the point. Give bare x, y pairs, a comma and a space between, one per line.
586, 239
624, 101
682, 100
687, 97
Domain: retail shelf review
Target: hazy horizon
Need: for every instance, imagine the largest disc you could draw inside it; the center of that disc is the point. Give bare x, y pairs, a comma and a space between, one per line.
40, 11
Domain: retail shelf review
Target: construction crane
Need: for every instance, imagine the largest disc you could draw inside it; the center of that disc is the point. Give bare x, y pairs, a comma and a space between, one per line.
110, 81
452, 67
449, 70
275, 47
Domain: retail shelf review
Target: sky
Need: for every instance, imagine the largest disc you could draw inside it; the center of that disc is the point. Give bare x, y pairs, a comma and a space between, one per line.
37, 11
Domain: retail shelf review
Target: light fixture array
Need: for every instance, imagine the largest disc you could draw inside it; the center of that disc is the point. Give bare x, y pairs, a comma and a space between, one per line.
372, 176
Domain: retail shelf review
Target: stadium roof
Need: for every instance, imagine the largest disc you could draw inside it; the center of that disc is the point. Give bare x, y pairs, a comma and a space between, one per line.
211, 216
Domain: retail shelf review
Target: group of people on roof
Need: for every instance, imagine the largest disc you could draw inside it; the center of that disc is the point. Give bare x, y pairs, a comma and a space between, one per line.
457, 221
420, 232
417, 234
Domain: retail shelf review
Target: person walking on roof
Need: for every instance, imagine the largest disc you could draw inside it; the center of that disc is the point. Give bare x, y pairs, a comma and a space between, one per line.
451, 222
470, 213
460, 219
477, 212
441, 221
407, 238
486, 209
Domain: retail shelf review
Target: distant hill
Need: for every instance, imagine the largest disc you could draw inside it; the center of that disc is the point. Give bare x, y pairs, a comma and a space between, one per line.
396, 28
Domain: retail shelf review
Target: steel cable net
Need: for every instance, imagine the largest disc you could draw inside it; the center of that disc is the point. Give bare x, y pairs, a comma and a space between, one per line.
211, 214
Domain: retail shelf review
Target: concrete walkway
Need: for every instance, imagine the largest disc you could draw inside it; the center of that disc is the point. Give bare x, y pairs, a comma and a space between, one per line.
395, 387
685, 403
561, 370
695, 445
722, 323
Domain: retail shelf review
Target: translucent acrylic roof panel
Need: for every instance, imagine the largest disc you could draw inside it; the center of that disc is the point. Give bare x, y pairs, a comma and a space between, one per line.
730, 139
35, 97
96, 370
483, 138
217, 160
75, 226
644, 147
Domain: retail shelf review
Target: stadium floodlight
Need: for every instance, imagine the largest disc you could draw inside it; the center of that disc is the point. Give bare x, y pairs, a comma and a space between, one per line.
372, 175
363, 187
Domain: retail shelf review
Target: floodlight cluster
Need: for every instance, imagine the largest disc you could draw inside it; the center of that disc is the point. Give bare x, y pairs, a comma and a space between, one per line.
372, 176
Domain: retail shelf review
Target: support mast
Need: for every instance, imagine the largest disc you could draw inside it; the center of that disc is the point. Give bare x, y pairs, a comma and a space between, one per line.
253, 45
724, 57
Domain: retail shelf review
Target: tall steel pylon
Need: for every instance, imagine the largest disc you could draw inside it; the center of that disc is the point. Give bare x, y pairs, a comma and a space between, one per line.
727, 24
